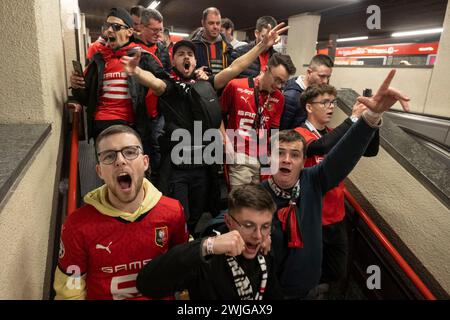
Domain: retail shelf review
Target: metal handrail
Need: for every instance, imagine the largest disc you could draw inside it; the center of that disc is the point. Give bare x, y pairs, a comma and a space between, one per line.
73, 164
390, 248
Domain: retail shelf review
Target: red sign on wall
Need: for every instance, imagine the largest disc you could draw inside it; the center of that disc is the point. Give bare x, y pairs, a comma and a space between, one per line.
402, 49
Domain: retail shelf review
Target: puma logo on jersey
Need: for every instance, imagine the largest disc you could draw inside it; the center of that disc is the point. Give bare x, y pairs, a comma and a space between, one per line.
245, 99
101, 247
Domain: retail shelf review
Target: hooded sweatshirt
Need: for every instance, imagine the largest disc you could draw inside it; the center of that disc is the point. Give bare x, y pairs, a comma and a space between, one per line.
102, 249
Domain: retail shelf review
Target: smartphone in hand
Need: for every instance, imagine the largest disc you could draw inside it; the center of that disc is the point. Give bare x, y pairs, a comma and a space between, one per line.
133, 51
367, 93
77, 68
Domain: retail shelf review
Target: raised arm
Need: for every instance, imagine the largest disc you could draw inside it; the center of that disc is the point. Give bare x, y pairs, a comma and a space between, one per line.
146, 78
241, 63
325, 143
346, 154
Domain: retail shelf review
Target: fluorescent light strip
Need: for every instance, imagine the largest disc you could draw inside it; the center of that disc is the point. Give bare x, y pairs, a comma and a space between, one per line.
154, 4
181, 34
352, 39
416, 33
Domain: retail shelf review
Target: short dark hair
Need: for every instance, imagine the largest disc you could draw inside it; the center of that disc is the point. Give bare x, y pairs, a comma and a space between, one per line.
227, 24
278, 58
148, 14
116, 129
314, 91
209, 10
290, 136
321, 60
252, 196
137, 11
264, 21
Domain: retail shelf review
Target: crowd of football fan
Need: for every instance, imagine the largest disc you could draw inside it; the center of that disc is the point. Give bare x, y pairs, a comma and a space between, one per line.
282, 235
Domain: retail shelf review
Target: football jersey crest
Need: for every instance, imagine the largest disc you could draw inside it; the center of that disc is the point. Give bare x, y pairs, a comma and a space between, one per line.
161, 236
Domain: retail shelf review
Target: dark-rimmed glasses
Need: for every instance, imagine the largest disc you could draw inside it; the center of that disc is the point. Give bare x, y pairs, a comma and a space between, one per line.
249, 228
154, 30
325, 104
109, 156
277, 80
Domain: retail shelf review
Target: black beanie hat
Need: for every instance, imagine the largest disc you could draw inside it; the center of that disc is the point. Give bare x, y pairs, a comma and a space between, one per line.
123, 14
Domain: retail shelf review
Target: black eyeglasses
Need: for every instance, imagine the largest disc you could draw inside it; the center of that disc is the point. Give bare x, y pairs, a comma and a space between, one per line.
109, 156
115, 26
249, 228
326, 103
154, 30
278, 80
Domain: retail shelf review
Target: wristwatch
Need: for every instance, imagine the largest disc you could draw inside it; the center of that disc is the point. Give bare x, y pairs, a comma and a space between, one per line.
354, 118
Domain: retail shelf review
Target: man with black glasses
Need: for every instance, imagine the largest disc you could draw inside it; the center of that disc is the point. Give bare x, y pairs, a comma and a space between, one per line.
319, 101
123, 225
254, 106
228, 266
110, 95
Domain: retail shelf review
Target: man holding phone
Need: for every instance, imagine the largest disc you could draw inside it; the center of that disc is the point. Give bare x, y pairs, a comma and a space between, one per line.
111, 97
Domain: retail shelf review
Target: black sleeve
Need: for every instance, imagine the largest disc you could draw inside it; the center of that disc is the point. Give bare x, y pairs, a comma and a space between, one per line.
326, 142
344, 156
90, 78
149, 63
273, 290
171, 271
374, 145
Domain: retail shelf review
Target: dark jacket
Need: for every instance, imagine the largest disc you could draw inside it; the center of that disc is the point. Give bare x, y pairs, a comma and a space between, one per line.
299, 269
254, 69
206, 278
223, 48
293, 114
161, 52
93, 78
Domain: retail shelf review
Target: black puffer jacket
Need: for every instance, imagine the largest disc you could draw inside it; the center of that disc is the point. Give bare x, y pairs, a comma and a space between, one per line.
254, 69
293, 114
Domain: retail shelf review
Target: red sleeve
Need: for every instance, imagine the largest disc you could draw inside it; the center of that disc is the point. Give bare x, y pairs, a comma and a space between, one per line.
180, 232
151, 101
227, 98
72, 254
276, 117
306, 134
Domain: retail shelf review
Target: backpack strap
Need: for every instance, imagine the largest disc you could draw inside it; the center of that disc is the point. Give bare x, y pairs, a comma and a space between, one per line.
259, 111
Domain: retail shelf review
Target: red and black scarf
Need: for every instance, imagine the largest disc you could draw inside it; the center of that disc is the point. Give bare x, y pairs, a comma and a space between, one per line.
289, 215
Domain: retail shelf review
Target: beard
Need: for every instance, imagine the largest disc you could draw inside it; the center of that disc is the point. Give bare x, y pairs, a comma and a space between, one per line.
130, 197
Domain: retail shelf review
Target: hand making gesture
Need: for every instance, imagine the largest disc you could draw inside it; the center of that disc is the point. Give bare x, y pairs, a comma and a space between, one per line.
273, 36
385, 97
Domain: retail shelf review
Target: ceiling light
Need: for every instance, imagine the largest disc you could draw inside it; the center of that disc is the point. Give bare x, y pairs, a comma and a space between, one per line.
180, 34
417, 32
154, 4
352, 39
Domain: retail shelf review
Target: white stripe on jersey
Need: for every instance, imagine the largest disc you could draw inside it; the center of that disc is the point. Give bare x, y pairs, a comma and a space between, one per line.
116, 96
115, 89
119, 81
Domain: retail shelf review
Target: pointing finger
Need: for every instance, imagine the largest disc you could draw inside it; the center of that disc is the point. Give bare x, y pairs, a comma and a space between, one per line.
386, 83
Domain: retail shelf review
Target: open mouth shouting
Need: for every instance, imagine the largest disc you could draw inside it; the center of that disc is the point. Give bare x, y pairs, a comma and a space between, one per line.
186, 66
111, 41
285, 170
124, 180
251, 249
